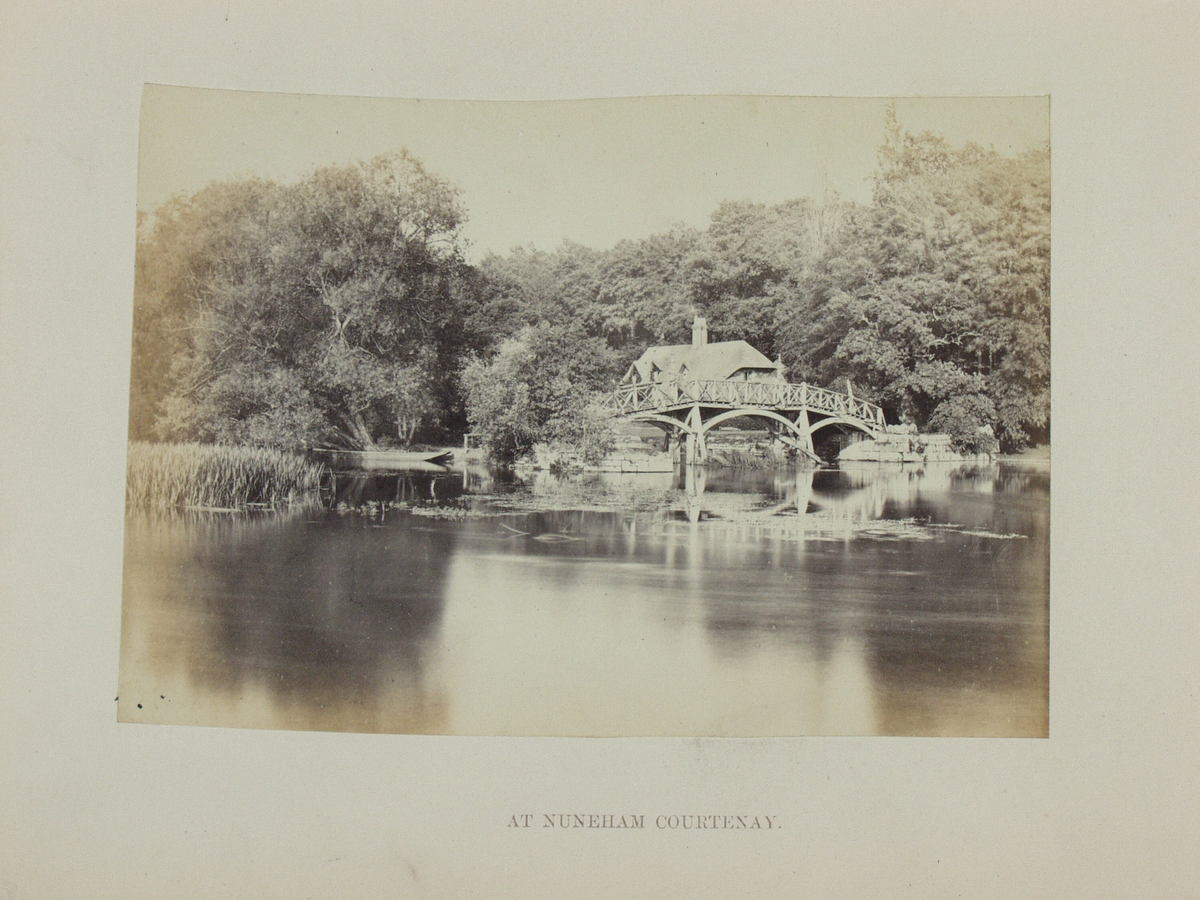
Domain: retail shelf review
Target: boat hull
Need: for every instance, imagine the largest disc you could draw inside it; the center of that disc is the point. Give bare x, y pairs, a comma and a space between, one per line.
386, 460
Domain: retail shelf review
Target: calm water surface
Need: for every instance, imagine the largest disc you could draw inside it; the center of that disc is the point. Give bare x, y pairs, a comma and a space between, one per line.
875, 600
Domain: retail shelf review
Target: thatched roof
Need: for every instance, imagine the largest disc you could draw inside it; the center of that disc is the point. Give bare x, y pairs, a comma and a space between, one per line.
708, 362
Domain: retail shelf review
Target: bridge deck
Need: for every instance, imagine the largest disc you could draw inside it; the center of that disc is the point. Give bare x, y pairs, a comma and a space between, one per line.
669, 396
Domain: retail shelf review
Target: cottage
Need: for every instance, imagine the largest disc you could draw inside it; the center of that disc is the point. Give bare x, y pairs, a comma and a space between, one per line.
702, 361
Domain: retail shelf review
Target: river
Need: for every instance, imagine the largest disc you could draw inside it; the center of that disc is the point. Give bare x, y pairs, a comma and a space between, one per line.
869, 600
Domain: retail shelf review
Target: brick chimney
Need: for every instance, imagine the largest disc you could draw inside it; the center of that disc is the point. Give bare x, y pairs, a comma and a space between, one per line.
699, 331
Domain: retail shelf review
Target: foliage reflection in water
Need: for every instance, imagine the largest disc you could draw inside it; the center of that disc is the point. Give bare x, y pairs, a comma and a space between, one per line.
871, 600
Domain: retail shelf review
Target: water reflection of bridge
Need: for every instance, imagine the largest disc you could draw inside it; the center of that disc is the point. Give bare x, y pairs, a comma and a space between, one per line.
791, 499
843, 499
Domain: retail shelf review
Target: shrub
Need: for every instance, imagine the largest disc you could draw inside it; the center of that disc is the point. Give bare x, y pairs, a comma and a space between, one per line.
966, 418
535, 391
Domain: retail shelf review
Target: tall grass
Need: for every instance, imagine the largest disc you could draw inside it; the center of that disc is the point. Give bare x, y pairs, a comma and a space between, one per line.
203, 476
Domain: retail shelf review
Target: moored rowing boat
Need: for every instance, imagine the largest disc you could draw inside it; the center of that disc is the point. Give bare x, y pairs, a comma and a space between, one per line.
383, 459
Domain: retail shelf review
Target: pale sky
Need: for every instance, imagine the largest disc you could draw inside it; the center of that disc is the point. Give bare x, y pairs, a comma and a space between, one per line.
591, 171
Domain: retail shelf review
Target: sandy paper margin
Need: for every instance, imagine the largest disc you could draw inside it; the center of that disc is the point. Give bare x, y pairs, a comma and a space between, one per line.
1105, 807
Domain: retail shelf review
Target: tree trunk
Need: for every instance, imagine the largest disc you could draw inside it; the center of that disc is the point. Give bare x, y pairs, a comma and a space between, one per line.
355, 433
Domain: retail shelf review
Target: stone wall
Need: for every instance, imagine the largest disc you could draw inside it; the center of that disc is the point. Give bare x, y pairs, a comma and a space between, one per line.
906, 447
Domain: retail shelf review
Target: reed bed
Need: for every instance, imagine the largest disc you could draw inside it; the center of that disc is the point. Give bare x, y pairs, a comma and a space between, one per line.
216, 477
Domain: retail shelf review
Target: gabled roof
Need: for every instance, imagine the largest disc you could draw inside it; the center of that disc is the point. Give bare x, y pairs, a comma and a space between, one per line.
708, 362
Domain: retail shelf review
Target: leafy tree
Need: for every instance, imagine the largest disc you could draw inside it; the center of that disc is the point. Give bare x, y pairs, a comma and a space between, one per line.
531, 286
644, 293
939, 289
746, 263
180, 259
966, 419
544, 384
331, 306
498, 403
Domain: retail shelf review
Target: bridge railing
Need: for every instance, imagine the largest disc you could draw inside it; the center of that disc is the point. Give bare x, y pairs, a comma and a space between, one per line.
659, 396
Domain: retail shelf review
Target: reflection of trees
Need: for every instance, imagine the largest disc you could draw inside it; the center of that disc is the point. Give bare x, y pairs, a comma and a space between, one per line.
357, 489
973, 633
950, 636
324, 615
542, 490
924, 636
949, 628
1014, 480
958, 493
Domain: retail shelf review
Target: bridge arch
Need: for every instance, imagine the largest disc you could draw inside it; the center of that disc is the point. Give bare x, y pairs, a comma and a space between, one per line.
754, 412
860, 424
658, 419
687, 425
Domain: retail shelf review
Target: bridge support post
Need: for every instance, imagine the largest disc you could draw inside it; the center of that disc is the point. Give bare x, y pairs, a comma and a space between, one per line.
697, 447
804, 426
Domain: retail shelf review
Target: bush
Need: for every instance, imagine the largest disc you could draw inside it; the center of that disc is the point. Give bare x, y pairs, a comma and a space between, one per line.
536, 391
967, 419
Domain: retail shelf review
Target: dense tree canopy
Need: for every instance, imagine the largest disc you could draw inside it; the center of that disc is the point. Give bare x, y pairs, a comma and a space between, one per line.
329, 310
933, 299
939, 292
338, 309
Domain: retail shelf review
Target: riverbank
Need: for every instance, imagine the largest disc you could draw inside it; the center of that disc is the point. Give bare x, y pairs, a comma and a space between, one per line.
908, 448
633, 456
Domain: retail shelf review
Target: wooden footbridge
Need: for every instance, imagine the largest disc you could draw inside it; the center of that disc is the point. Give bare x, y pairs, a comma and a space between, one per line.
690, 389
690, 409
